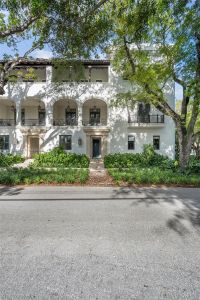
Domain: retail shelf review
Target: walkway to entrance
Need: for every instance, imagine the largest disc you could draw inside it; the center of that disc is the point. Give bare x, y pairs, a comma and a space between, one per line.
24, 164
98, 174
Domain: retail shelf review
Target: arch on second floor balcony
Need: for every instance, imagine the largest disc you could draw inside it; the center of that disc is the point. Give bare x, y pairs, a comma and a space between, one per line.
65, 112
7, 112
33, 112
95, 112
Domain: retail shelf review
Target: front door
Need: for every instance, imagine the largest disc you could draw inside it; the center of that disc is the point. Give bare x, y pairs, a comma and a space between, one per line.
96, 148
34, 146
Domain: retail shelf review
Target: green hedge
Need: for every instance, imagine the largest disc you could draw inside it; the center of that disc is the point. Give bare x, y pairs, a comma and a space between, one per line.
128, 160
59, 158
9, 160
149, 158
42, 176
153, 175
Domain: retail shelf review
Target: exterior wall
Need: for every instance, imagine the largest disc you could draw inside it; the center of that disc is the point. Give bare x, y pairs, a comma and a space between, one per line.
114, 135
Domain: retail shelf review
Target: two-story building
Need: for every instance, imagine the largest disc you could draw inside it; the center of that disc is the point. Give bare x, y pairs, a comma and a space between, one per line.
57, 107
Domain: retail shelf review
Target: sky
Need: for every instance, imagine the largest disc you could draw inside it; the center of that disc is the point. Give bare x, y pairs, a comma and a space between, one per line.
46, 53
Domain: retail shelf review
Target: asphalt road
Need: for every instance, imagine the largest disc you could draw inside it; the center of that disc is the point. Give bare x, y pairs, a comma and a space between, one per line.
99, 243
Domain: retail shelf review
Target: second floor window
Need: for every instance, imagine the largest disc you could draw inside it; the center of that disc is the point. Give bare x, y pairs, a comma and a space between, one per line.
41, 116
143, 112
70, 117
4, 142
94, 116
131, 142
66, 142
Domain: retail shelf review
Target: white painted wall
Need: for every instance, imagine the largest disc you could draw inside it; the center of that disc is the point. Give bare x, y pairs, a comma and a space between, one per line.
117, 118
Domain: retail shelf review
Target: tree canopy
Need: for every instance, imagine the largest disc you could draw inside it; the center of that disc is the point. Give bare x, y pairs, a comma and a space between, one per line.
172, 30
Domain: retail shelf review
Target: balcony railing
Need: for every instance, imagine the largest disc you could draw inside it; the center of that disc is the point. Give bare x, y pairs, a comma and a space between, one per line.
33, 122
62, 122
147, 119
95, 122
7, 122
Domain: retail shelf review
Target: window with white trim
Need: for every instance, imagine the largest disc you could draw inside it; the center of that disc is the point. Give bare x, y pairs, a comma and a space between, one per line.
4, 142
131, 142
156, 142
66, 142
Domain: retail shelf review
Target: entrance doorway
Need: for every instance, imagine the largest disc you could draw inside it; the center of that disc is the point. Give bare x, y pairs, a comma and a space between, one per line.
34, 145
96, 147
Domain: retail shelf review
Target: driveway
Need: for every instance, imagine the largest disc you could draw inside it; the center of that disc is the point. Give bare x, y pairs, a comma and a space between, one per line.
99, 243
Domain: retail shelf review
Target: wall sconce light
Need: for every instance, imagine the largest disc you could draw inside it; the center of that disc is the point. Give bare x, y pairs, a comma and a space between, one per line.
80, 142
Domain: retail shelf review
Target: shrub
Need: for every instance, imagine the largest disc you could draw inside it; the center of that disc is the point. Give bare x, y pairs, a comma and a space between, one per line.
38, 176
193, 166
59, 158
153, 175
128, 160
7, 160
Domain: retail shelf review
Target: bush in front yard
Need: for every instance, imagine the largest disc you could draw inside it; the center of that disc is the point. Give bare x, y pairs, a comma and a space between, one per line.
59, 158
7, 160
153, 175
42, 176
128, 160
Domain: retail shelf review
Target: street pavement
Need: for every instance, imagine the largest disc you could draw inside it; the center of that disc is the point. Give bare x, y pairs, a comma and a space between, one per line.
99, 243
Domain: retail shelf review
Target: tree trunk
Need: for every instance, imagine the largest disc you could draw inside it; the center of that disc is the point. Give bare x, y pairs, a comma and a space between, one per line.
185, 146
2, 91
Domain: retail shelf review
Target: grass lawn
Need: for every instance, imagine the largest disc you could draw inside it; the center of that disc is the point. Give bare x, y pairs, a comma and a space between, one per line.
153, 175
13, 176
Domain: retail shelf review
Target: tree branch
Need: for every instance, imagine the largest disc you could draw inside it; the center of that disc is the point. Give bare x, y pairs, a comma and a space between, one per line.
18, 28
132, 62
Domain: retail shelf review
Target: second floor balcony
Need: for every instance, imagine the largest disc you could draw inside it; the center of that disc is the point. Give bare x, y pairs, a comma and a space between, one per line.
146, 120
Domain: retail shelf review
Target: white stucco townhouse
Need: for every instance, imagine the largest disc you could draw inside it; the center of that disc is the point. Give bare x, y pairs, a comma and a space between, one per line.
54, 109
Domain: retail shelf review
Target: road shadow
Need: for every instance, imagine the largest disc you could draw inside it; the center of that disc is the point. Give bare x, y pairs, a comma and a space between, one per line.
186, 202
10, 190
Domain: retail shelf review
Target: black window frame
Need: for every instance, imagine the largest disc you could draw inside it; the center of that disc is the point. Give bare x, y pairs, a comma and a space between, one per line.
71, 116
6, 142
65, 145
155, 138
131, 144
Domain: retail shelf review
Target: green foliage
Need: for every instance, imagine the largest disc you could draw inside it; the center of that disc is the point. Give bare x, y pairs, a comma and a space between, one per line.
149, 158
193, 166
127, 160
59, 158
42, 176
153, 175
9, 160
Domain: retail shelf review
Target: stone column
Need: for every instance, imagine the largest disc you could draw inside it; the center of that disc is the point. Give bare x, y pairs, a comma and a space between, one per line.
49, 74
49, 115
79, 114
18, 114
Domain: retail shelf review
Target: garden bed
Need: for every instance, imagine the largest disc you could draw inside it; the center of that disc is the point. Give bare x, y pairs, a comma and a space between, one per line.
14, 176
153, 176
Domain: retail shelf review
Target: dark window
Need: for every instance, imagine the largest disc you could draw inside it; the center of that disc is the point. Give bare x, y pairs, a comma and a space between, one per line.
4, 142
71, 117
156, 142
143, 112
94, 116
23, 116
131, 142
41, 116
66, 142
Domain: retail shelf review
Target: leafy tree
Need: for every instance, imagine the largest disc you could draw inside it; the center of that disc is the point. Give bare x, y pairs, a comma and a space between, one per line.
70, 28
173, 27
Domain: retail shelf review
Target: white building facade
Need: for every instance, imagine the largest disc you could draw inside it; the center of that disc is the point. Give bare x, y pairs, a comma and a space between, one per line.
55, 109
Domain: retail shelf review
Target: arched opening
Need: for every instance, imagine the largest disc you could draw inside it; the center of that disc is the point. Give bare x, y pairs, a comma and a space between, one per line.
33, 113
7, 113
94, 112
65, 112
